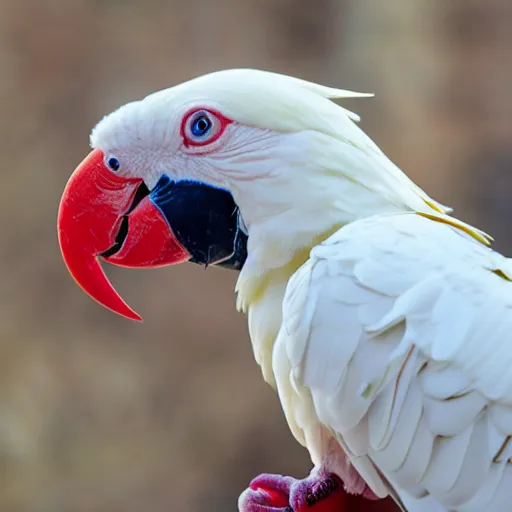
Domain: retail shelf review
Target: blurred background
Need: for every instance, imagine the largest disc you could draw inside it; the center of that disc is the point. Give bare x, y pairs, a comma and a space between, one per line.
100, 414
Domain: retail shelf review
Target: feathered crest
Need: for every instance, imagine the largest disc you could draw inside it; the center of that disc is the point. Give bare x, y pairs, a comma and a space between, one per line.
253, 97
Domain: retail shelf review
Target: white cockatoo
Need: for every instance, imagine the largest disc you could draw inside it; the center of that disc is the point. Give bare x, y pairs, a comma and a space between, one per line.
382, 321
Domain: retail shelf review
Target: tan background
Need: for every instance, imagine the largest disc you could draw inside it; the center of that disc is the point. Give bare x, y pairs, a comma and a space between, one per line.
99, 414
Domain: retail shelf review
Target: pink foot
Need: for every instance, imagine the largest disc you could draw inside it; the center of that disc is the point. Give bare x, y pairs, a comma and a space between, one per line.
277, 493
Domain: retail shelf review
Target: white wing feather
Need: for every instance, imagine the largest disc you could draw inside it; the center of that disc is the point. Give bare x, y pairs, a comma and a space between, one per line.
398, 330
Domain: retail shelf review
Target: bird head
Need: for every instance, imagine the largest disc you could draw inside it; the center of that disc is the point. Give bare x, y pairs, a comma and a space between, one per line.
227, 165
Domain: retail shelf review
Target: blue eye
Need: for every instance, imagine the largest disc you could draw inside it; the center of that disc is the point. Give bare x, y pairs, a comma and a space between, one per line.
201, 126
113, 163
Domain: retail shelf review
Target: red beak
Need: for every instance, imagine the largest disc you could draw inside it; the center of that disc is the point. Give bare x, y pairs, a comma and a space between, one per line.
93, 221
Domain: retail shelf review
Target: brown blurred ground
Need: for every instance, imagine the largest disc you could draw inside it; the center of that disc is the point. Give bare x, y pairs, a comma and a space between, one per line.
99, 414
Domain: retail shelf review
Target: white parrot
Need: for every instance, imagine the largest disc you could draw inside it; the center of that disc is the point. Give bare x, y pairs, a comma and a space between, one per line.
384, 323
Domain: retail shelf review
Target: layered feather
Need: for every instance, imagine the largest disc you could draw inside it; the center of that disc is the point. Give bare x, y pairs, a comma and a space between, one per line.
398, 328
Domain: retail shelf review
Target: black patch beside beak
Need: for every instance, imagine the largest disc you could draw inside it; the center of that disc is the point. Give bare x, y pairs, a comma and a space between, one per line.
237, 259
204, 219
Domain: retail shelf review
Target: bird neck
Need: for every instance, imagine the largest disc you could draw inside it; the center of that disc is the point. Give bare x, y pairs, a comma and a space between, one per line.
273, 257
260, 294
325, 184
276, 249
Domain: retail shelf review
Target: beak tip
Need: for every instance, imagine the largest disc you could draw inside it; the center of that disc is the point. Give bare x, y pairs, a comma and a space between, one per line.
125, 311
135, 317
115, 303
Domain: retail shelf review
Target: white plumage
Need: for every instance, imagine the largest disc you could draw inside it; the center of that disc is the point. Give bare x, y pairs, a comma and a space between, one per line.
397, 331
384, 324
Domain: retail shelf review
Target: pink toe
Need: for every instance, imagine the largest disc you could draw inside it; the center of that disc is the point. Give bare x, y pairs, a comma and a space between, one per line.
270, 482
267, 493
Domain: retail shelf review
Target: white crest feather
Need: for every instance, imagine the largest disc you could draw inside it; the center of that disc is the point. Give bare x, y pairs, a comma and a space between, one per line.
253, 97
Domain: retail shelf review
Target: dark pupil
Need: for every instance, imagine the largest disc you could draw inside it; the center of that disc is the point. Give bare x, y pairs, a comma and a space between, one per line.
201, 126
113, 163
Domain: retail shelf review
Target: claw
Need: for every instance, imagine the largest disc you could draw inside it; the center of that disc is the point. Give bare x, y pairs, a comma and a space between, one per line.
321, 494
